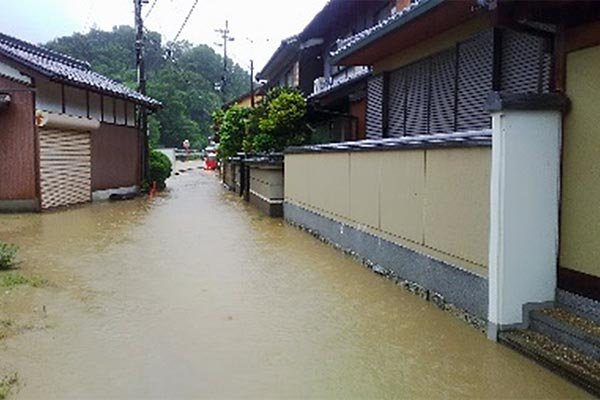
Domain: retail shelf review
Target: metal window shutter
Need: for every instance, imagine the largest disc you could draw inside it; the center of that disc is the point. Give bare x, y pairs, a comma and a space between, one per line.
397, 103
417, 98
526, 63
443, 86
65, 167
475, 65
374, 117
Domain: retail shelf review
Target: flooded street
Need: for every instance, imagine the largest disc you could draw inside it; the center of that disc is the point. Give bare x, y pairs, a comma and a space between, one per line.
196, 295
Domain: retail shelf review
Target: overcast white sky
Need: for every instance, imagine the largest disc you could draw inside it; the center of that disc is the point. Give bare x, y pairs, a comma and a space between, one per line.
257, 25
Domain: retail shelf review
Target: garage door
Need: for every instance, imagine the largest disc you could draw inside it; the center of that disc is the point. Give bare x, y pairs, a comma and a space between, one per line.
65, 167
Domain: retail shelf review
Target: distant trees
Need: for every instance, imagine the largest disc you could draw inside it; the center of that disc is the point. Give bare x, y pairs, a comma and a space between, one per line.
277, 122
180, 75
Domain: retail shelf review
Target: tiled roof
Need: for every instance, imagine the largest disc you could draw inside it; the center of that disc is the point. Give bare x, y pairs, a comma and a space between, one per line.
66, 69
346, 46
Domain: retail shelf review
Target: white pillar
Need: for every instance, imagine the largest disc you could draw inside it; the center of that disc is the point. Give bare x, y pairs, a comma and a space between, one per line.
525, 193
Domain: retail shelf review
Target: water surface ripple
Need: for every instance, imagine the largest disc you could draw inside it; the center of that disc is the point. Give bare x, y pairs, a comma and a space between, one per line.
196, 295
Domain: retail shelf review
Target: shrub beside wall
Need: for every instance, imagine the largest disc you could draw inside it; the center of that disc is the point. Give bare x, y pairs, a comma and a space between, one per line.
160, 169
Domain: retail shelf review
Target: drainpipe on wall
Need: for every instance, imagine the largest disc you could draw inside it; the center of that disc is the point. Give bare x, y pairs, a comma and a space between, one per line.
525, 194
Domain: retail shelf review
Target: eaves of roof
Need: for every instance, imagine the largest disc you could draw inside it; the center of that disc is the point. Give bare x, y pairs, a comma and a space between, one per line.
282, 54
391, 24
68, 70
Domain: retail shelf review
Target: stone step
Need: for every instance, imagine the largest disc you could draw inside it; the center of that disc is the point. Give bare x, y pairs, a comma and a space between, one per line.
582, 306
566, 361
568, 328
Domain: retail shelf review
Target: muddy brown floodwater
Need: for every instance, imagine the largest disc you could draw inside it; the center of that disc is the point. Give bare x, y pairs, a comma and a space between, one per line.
195, 295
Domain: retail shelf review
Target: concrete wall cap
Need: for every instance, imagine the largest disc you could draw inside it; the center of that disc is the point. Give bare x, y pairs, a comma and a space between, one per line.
501, 101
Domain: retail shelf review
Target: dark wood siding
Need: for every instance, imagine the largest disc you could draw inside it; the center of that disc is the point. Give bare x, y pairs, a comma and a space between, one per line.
17, 144
115, 157
358, 109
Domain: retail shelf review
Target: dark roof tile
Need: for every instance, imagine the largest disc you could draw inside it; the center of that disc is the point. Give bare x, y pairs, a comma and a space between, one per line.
69, 70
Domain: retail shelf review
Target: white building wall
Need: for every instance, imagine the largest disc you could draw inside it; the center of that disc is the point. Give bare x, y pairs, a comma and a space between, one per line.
95, 109
120, 111
109, 116
75, 102
524, 213
48, 96
130, 114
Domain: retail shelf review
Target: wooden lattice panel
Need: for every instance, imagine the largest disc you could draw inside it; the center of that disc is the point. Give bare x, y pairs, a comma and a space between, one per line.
374, 117
65, 167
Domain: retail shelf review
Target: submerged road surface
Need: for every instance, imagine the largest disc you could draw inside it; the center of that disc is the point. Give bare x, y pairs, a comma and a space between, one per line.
196, 295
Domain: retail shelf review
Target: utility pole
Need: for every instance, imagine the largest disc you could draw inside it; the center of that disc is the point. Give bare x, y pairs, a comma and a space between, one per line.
141, 81
252, 83
226, 38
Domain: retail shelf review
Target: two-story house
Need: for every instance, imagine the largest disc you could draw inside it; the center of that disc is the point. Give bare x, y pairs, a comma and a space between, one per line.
336, 94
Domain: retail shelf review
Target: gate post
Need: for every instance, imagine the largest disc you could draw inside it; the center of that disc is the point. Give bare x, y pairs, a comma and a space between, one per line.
525, 194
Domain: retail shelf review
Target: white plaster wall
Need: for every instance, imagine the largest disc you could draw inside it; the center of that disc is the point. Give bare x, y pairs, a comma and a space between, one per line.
120, 111
130, 114
108, 110
48, 96
524, 212
75, 102
95, 110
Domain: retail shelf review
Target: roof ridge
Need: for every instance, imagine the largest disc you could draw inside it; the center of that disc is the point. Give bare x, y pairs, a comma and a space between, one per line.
44, 52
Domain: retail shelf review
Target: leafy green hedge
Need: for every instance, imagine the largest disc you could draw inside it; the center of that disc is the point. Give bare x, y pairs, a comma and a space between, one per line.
160, 169
277, 122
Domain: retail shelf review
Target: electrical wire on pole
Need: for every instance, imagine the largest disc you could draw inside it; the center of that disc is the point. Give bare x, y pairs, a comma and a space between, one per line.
224, 33
150, 9
169, 52
186, 20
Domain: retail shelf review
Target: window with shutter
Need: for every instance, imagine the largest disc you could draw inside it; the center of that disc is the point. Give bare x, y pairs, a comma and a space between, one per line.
374, 117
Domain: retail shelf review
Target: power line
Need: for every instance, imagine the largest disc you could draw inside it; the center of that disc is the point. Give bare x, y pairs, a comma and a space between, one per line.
186, 20
151, 8
224, 33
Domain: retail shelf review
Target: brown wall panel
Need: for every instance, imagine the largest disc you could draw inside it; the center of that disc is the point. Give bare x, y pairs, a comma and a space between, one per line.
359, 109
17, 144
115, 157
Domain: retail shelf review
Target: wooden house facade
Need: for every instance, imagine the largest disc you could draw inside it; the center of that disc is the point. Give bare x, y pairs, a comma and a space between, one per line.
67, 133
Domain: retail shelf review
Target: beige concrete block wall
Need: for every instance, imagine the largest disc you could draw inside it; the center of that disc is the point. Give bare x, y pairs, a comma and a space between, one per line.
580, 204
267, 182
434, 201
456, 211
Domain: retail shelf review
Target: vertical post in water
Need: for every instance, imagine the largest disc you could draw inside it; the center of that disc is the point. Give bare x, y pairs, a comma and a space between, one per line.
141, 83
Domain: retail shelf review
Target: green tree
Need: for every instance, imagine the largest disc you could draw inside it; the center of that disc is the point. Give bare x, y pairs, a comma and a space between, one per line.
180, 75
233, 131
281, 121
